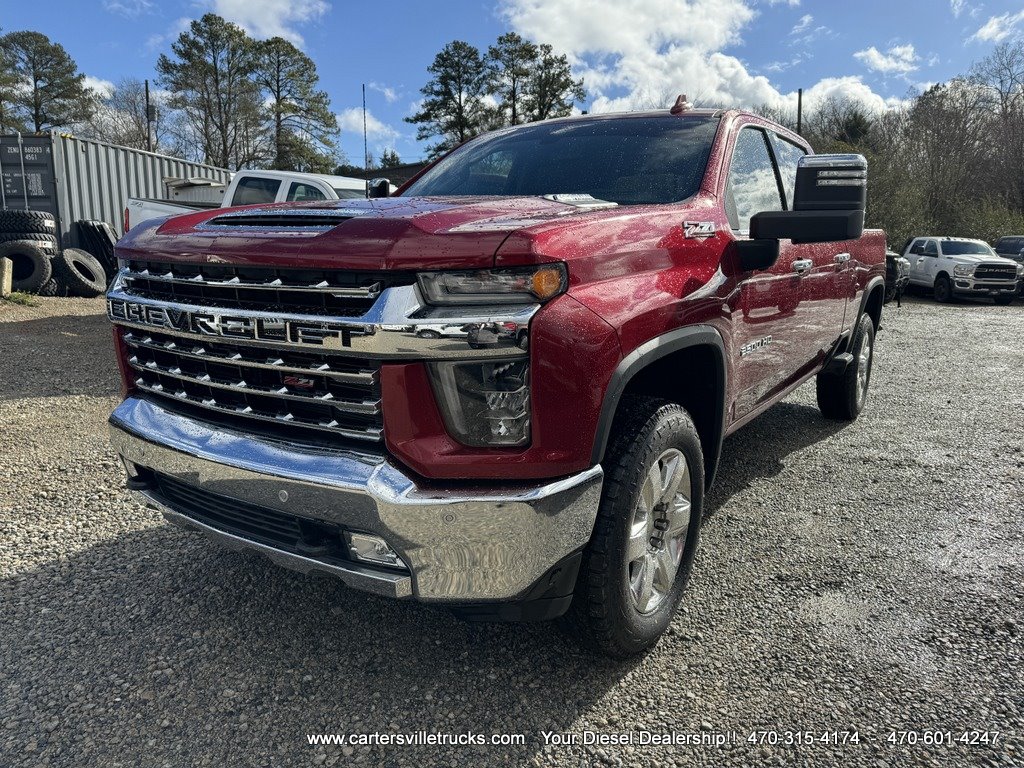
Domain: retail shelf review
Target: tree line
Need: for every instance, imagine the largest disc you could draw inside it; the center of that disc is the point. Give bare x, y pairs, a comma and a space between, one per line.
516, 81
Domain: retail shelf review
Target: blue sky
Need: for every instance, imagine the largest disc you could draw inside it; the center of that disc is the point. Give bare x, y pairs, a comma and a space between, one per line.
631, 52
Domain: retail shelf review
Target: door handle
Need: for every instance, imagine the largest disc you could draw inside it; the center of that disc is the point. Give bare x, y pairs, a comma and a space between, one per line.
842, 258
802, 265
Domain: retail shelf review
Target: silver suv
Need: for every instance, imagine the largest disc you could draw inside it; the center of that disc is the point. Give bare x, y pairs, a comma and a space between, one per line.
956, 266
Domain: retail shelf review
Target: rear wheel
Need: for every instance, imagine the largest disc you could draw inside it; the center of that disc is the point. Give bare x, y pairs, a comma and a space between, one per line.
943, 289
638, 561
841, 396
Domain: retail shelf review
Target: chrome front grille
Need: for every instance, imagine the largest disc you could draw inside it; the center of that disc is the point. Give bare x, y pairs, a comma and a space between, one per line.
308, 291
305, 391
995, 272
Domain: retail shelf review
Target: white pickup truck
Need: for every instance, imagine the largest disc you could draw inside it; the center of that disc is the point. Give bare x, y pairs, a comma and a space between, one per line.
958, 266
253, 188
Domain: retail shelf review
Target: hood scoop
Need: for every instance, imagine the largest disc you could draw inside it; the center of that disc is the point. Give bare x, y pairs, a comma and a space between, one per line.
284, 219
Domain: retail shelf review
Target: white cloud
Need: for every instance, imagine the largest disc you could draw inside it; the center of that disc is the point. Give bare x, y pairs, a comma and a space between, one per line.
790, 3
803, 25
390, 94
957, 6
351, 120
998, 28
271, 18
627, 50
131, 9
898, 60
103, 88
157, 41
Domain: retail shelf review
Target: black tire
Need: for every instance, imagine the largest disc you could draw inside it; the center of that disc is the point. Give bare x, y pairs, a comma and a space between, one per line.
81, 272
943, 290
605, 612
53, 288
1003, 301
27, 221
890, 293
32, 267
842, 396
46, 246
48, 241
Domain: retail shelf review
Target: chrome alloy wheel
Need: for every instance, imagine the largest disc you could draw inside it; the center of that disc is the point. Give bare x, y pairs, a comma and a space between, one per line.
864, 368
657, 535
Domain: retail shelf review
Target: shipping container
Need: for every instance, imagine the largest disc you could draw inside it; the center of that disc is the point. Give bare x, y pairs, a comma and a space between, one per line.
81, 180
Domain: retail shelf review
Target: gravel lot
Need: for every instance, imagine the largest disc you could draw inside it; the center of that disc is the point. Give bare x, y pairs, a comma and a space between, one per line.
865, 577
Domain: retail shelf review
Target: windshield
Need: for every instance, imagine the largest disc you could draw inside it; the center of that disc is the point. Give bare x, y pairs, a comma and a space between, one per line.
961, 248
349, 194
629, 160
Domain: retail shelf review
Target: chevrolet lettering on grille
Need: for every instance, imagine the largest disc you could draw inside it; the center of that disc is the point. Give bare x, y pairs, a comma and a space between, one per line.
274, 330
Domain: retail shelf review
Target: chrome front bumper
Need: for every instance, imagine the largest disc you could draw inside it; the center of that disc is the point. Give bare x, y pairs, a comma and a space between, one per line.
462, 543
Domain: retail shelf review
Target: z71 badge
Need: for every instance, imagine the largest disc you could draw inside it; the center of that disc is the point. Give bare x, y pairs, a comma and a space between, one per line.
698, 230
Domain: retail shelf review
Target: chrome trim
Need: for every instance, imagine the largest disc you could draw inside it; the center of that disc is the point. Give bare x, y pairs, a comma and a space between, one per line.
398, 325
833, 161
462, 542
370, 433
365, 377
363, 407
367, 292
382, 583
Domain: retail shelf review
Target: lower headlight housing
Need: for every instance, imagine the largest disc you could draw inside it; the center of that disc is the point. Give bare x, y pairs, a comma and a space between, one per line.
485, 403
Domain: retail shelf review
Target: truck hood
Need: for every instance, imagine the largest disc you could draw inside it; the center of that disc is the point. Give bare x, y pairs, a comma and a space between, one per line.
978, 258
384, 234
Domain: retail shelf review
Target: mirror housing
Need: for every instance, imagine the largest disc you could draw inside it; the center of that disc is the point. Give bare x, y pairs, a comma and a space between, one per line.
753, 255
378, 188
828, 202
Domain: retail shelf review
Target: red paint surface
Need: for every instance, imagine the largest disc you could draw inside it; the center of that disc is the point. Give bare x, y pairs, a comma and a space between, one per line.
633, 276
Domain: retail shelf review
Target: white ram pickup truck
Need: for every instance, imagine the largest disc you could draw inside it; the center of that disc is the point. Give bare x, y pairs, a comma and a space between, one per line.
957, 266
253, 188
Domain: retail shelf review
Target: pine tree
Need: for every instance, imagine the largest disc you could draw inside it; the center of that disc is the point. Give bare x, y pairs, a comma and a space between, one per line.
550, 88
212, 78
303, 124
52, 92
511, 64
453, 105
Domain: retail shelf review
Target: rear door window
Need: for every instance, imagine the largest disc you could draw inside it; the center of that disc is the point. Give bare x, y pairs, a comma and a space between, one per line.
300, 192
253, 190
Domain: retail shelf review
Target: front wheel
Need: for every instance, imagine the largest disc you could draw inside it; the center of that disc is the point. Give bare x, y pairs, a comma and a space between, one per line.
943, 290
638, 561
1003, 301
842, 396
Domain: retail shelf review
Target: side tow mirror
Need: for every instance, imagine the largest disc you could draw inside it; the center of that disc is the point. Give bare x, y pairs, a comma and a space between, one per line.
378, 188
828, 204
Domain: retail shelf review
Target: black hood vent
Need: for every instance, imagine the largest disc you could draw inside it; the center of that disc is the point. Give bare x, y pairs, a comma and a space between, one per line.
283, 219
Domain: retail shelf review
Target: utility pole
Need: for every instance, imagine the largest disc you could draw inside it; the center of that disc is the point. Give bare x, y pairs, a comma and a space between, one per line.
150, 117
800, 111
366, 151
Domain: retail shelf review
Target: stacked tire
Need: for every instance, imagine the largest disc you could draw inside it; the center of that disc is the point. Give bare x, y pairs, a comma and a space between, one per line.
29, 240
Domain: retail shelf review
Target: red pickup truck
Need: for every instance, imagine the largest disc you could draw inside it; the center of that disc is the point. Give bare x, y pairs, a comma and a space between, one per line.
504, 389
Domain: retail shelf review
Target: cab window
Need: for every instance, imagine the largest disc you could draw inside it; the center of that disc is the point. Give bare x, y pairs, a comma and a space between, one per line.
930, 248
752, 186
253, 190
298, 192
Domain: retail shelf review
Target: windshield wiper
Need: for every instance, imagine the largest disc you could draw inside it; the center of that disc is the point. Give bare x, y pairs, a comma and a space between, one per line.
580, 200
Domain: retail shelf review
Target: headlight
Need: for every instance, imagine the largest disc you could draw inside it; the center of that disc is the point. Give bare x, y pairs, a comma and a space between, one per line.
522, 285
963, 270
485, 403
1020, 270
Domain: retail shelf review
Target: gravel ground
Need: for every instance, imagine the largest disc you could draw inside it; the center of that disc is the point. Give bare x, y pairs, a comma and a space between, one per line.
863, 577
